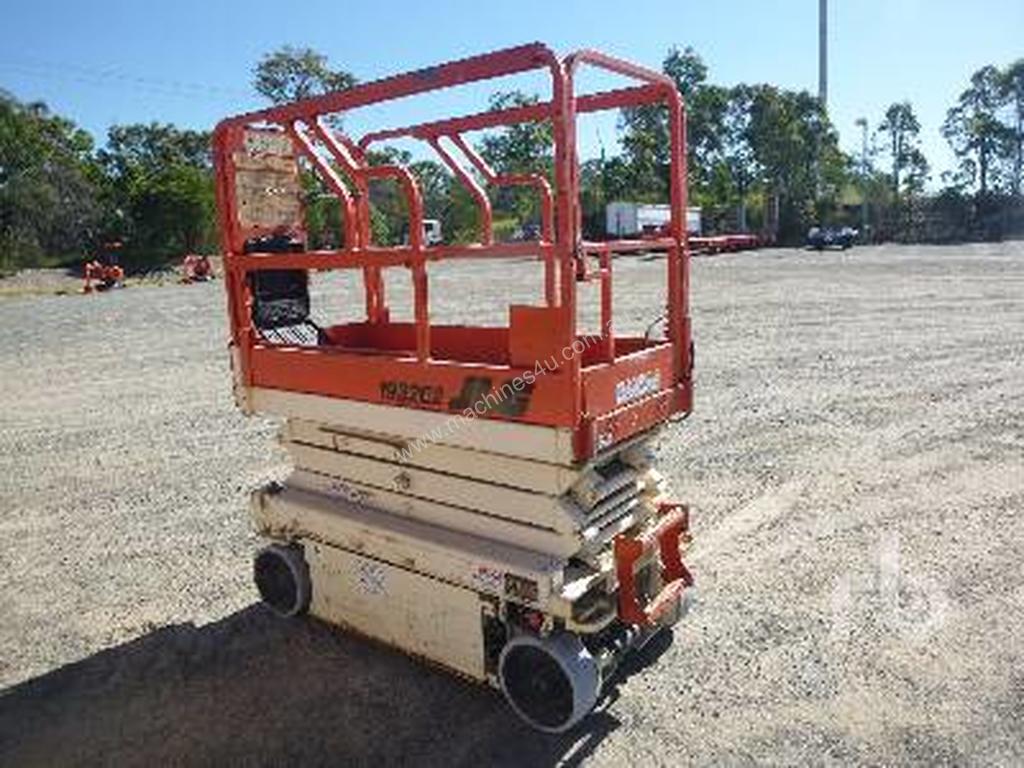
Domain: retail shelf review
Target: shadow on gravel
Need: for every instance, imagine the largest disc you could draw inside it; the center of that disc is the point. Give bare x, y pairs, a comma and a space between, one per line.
252, 688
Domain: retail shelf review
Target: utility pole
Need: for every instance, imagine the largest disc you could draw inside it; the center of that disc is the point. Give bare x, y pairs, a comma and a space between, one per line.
823, 52
822, 91
862, 122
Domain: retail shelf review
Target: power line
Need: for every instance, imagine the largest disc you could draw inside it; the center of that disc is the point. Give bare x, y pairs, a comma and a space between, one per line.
108, 77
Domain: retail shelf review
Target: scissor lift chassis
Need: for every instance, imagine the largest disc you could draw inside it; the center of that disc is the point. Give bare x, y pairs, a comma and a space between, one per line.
441, 552
529, 544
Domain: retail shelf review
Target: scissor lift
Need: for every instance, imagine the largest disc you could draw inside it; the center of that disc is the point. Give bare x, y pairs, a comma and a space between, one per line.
450, 496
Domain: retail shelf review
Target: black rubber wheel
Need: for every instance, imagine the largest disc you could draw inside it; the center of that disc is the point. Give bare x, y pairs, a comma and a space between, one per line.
282, 578
551, 682
539, 687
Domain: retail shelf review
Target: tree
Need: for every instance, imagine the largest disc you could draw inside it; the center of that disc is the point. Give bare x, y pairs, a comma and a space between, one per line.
795, 154
706, 108
644, 137
48, 185
289, 74
146, 148
602, 181
735, 162
435, 186
389, 211
519, 148
743, 143
1013, 96
974, 131
687, 68
522, 147
644, 129
900, 130
445, 199
158, 191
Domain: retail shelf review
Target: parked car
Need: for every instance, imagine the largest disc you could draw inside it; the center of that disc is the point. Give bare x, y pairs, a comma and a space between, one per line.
821, 238
526, 232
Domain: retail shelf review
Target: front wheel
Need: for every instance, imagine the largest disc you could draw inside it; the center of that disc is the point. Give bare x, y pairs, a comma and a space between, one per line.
550, 682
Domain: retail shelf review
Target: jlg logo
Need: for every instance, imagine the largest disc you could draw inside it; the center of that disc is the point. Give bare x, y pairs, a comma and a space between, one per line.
636, 387
510, 399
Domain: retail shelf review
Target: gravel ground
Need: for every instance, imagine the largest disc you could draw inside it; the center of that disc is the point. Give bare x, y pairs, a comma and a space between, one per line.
855, 460
28, 282
39, 281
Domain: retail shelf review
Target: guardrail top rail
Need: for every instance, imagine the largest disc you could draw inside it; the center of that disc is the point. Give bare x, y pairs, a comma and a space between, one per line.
604, 388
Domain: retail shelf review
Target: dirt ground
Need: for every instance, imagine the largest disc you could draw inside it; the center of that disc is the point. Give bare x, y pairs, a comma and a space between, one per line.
38, 282
855, 461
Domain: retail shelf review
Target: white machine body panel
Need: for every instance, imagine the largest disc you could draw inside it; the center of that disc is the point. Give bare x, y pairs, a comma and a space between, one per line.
422, 616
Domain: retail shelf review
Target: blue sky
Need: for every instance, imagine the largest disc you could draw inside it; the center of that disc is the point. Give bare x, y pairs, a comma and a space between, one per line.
190, 62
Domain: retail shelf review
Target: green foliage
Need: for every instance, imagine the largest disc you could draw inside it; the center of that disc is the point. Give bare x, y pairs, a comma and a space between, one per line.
158, 192
435, 187
505, 229
461, 221
389, 219
644, 136
289, 74
523, 148
982, 143
1013, 97
745, 144
898, 133
795, 155
48, 186
151, 186
445, 199
520, 148
755, 148
323, 212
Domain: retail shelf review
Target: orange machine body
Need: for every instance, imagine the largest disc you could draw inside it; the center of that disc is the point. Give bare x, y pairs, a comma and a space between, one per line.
538, 369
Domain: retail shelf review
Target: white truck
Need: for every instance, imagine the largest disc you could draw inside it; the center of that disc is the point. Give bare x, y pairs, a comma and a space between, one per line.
623, 218
432, 231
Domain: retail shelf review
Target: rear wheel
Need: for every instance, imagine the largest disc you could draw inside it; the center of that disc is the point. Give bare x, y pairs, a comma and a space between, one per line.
282, 578
552, 683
